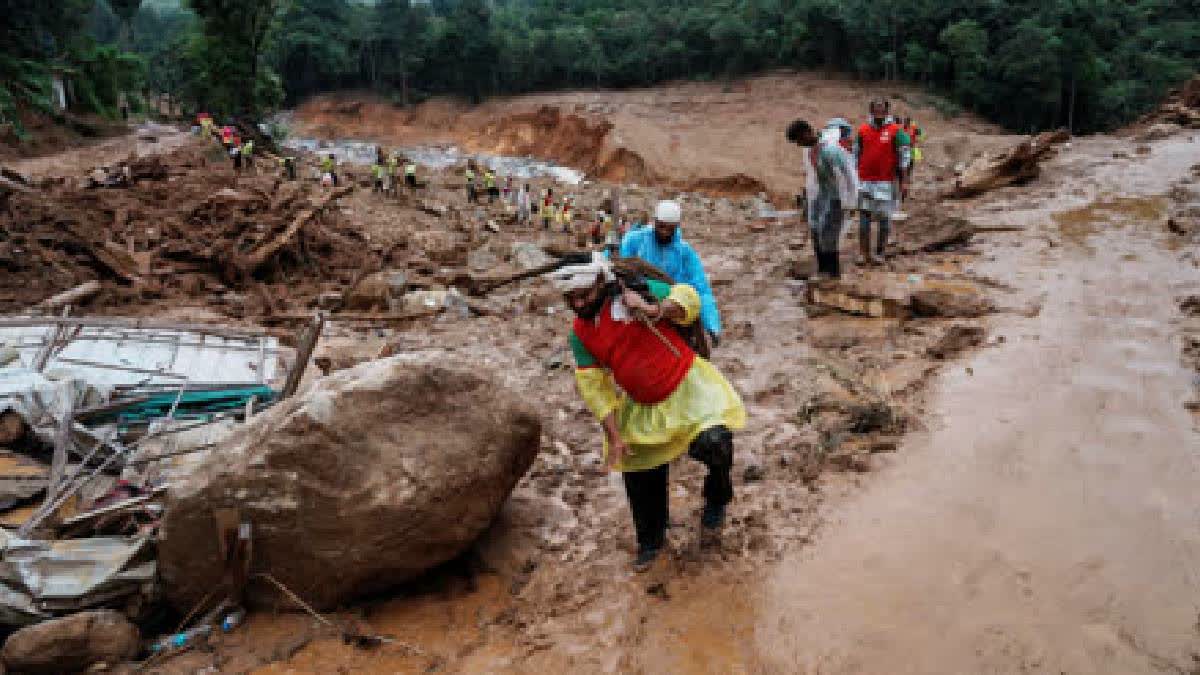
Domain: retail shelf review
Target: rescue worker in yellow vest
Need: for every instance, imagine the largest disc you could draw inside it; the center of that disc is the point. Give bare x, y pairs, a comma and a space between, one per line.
470, 177
915, 136
393, 172
248, 155
377, 173
287, 168
547, 208
410, 174
329, 170
489, 182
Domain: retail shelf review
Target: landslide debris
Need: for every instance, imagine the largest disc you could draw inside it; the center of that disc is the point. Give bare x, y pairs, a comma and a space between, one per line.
179, 225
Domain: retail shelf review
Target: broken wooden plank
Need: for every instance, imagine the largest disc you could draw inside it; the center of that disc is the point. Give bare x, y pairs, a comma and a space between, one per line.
306, 345
266, 250
845, 299
72, 296
115, 507
7, 185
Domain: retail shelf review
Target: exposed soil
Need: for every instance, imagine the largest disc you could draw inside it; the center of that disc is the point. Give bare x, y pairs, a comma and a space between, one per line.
976, 458
723, 139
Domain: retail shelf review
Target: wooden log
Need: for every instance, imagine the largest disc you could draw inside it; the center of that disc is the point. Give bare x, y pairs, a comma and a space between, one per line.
304, 349
1019, 164
8, 185
266, 250
70, 297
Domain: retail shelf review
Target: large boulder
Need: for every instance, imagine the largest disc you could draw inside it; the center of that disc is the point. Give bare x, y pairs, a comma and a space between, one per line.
72, 643
377, 474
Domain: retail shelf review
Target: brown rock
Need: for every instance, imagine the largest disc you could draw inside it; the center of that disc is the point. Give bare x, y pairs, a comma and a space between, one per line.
12, 427
440, 246
376, 291
956, 339
375, 475
72, 643
942, 303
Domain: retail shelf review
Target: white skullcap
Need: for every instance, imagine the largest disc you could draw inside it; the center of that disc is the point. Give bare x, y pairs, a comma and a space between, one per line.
583, 275
668, 212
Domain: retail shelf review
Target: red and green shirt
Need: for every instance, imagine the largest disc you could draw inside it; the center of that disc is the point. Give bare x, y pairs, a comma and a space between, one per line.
645, 368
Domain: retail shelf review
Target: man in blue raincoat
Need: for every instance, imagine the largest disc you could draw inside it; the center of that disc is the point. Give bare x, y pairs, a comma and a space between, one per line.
663, 246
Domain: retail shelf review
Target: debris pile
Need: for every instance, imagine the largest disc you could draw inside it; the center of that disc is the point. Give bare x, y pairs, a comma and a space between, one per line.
1181, 107
1018, 165
171, 226
87, 408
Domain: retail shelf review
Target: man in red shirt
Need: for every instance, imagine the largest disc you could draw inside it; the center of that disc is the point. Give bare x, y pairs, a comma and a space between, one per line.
882, 151
655, 398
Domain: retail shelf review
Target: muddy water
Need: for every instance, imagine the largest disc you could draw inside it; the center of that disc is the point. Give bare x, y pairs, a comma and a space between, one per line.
362, 153
1047, 520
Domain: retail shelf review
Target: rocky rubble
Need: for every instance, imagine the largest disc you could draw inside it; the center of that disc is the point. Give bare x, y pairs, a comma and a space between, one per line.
72, 644
178, 226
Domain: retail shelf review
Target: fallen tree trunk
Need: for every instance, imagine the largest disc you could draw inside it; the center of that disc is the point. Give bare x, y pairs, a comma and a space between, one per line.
263, 252
1018, 165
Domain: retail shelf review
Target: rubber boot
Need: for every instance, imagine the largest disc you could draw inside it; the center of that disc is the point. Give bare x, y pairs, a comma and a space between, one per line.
834, 265
864, 248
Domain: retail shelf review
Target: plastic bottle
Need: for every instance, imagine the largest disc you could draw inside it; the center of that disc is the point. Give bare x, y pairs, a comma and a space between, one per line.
233, 619
178, 640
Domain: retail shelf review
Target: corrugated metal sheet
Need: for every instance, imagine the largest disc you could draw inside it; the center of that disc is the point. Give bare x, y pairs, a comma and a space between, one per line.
107, 357
42, 577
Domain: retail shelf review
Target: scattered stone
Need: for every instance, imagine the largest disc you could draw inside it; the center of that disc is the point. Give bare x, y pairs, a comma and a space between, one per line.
753, 473
556, 361
377, 291
440, 246
875, 416
72, 643
846, 298
12, 427
1159, 131
330, 301
481, 260
432, 207
1190, 305
528, 256
372, 477
948, 304
956, 339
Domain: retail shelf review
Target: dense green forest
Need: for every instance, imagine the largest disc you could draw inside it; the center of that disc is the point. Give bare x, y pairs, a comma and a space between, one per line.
1087, 64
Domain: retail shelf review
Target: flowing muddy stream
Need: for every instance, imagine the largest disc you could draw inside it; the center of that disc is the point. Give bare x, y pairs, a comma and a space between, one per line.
362, 153
1047, 520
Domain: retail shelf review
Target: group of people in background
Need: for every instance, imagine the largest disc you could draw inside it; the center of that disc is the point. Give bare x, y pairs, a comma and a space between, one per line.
387, 169
241, 152
868, 169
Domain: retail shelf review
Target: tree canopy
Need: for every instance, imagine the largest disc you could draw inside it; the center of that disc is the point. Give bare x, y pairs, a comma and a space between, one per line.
1088, 64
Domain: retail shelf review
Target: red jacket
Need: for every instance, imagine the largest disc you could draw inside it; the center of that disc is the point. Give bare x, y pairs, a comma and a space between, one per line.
641, 364
877, 156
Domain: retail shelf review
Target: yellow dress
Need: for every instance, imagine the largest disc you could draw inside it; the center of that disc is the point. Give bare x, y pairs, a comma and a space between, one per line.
658, 433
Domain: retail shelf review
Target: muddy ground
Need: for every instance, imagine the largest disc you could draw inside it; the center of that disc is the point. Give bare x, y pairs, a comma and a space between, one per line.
722, 138
994, 474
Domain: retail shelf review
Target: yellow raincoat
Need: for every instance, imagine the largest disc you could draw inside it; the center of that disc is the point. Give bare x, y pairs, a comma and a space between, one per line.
658, 433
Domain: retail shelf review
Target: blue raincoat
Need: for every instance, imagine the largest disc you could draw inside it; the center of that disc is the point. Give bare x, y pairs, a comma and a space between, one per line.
679, 260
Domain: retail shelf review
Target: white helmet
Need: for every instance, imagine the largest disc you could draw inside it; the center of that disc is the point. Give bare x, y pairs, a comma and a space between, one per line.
668, 212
